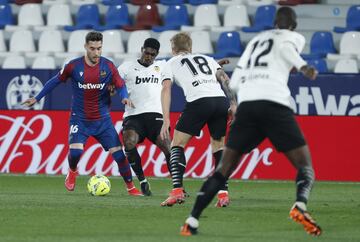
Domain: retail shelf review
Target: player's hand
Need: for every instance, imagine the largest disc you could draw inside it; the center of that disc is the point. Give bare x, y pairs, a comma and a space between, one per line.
111, 89
223, 62
128, 102
29, 102
232, 111
309, 71
164, 133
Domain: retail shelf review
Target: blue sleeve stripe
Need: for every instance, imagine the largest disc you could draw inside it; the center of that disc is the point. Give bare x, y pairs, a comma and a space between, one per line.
122, 92
49, 86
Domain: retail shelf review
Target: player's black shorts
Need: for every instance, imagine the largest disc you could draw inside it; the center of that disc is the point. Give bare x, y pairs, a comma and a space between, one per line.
146, 125
257, 120
209, 110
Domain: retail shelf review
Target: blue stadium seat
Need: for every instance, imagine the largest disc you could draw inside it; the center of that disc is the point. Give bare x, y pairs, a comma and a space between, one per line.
87, 17
175, 17
115, 17
319, 64
321, 44
352, 20
199, 2
172, 2
112, 2
6, 17
228, 45
264, 19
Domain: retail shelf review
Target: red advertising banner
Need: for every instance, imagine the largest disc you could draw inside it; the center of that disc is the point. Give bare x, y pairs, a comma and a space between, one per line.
35, 142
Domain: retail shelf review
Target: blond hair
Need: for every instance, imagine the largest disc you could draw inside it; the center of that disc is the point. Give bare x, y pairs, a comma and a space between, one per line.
181, 42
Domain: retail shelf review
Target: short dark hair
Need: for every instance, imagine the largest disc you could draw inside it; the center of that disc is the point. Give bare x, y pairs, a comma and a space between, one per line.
93, 36
152, 43
285, 18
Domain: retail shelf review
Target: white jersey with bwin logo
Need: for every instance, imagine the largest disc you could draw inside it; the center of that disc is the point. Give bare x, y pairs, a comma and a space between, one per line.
262, 72
143, 85
195, 74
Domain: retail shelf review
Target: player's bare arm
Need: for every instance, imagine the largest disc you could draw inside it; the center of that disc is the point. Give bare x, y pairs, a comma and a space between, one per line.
222, 62
309, 71
165, 104
224, 79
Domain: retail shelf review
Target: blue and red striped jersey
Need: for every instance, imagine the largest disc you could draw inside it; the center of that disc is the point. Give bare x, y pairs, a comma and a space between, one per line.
91, 98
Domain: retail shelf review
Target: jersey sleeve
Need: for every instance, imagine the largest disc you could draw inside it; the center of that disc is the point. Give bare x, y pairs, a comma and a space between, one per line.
167, 73
214, 65
65, 72
290, 49
116, 78
295, 39
122, 70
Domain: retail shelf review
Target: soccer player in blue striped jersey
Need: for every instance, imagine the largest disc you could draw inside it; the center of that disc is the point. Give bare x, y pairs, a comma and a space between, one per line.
90, 76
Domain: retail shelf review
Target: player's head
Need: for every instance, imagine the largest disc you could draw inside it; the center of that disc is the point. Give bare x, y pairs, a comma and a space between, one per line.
149, 51
285, 18
181, 42
93, 46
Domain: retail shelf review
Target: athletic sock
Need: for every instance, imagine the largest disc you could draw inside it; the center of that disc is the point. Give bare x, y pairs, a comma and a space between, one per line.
74, 157
124, 166
135, 162
217, 157
304, 183
207, 193
178, 165
168, 164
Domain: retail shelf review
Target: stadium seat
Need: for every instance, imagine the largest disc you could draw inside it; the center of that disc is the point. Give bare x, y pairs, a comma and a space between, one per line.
349, 46
321, 44
112, 2
205, 17
82, 2
30, 15
143, 2
172, 2
87, 17
352, 20
76, 41
51, 41
22, 41
346, 66
136, 40
264, 19
59, 15
175, 17
200, 2
165, 44
112, 43
201, 42
231, 2
319, 64
235, 17
54, 2
260, 2
116, 17
14, 62
6, 17
2, 42
44, 62
228, 45
146, 17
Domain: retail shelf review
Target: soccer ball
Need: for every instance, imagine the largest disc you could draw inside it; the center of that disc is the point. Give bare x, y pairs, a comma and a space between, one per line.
98, 185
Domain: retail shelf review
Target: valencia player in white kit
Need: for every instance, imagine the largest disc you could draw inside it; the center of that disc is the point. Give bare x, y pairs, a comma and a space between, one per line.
264, 111
143, 80
205, 84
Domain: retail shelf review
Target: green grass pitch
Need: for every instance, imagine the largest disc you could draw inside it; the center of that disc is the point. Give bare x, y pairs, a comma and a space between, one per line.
38, 209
